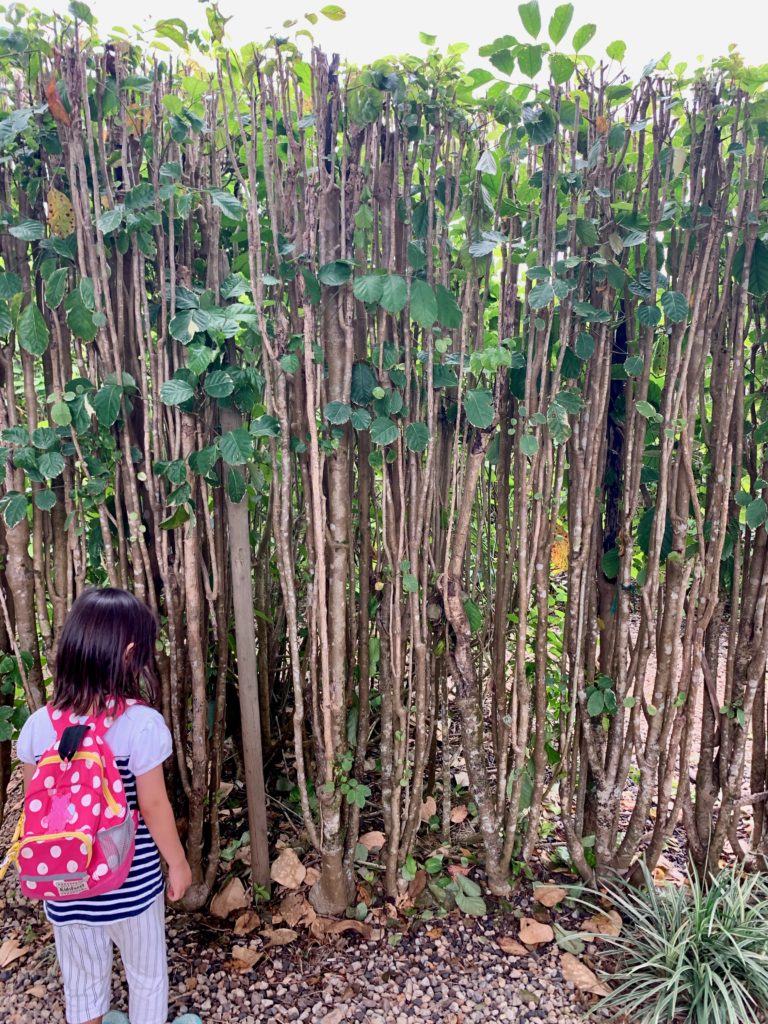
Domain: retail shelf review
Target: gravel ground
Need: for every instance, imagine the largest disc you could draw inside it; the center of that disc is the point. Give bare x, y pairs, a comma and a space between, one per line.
448, 970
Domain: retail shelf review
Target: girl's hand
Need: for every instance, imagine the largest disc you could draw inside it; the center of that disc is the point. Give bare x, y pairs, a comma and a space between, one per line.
179, 880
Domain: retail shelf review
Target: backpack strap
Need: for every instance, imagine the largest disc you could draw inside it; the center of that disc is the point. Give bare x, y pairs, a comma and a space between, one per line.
71, 729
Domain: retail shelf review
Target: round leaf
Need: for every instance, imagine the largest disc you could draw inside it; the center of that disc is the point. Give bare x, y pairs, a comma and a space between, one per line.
478, 406
384, 431
417, 437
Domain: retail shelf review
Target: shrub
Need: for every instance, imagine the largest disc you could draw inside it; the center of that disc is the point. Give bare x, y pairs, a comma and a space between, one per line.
696, 954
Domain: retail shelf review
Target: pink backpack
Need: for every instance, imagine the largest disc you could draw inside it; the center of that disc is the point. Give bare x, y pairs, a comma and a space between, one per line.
78, 833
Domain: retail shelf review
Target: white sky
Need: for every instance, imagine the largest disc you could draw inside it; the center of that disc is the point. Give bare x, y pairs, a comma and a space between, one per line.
689, 28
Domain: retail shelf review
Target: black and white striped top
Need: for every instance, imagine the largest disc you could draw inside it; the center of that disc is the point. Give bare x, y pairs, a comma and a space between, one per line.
140, 741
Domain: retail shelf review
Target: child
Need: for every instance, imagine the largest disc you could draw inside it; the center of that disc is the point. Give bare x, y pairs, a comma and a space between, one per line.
106, 650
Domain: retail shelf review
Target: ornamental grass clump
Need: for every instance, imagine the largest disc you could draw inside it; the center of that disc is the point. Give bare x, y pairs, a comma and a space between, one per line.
695, 954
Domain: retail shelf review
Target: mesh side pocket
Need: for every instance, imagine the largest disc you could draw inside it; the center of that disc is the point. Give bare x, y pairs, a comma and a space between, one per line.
116, 842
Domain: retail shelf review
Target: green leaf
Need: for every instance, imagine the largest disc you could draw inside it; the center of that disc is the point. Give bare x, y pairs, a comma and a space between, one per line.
560, 22
229, 204
585, 346
110, 220
616, 50
79, 317
45, 500
199, 358
236, 446
60, 414
335, 274
633, 366
6, 320
179, 516
360, 418
530, 17
474, 906
646, 410
649, 316
583, 35
338, 412
51, 464
265, 426
427, 39
364, 380
219, 384
479, 408
423, 304
541, 296
675, 307
235, 485
176, 391
314, 293
561, 68
586, 231
290, 363
333, 12
14, 508
757, 511
54, 288
369, 288
557, 423
384, 431
595, 703
28, 230
394, 293
475, 619
448, 311
529, 59
203, 460
106, 404
410, 583
758, 268
540, 123
10, 283
44, 438
417, 437
610, 564
32, 330
529, 445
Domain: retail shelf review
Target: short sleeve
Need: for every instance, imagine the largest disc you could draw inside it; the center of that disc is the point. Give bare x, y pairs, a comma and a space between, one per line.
151, 743
25, 743
37, 734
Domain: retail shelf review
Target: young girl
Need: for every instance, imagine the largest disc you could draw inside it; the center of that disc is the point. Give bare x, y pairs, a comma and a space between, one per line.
106, 650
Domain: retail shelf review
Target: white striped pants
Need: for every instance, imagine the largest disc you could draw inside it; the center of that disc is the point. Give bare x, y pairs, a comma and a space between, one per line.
85, 956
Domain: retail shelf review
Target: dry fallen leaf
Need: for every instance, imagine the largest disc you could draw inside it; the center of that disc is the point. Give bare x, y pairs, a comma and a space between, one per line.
604, 924
373, 841
581, 976
10, 951
549, 895
244, 958
535, 933
459, 814
279, 936
247, 923
330, 926
428, 808
511, 946
296, 910
418, 884
232, 897
288, 870
37, 991
311, 876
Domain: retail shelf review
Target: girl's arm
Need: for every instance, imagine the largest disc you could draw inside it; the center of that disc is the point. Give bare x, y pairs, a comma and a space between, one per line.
29, 771
157, 813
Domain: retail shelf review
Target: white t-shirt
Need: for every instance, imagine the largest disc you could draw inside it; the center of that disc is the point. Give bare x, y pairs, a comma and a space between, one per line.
140, 741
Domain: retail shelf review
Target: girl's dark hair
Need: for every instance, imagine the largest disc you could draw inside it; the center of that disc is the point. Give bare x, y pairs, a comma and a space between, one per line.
93, 661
